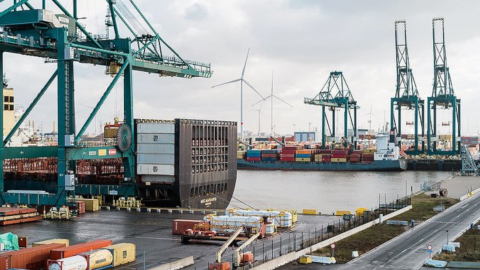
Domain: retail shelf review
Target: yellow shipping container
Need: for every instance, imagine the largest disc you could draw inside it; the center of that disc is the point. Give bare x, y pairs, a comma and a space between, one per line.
51, 241
122, 253
342, 160
305, 260
309, 211
359, 211
302, 159
341, 213
91, 205
240, 154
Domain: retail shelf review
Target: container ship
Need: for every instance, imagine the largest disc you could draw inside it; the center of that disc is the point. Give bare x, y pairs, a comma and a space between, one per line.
293, 157
181, 162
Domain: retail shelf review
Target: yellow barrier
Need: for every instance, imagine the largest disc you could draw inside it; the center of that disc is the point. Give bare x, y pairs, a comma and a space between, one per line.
341, 213
305, 260
309, 211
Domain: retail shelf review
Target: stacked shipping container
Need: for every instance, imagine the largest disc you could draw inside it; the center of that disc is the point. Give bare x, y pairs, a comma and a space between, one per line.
156, 151
269, 155
254, 155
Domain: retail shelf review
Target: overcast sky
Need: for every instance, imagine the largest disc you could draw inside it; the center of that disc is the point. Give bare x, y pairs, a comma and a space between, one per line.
300, 41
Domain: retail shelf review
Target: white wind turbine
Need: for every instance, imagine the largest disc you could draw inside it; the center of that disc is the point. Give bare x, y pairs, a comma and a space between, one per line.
260, 113
242, 80
271, 106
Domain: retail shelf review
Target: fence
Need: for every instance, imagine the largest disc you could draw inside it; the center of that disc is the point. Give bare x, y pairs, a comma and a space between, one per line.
287, 241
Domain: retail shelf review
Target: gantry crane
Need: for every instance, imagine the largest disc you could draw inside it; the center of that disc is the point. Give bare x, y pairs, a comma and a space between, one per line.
443, 95
343, 98
62, 40
406, 94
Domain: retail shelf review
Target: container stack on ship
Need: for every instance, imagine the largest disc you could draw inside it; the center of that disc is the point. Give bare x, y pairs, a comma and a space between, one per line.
186, 163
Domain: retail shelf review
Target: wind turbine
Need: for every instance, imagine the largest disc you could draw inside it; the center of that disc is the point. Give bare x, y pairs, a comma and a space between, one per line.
259, 116
242, 80
370, 121
271, 106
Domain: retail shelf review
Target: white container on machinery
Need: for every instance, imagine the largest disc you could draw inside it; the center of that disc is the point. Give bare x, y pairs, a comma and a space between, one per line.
156, 127
155, 169
160, 148
231, 223
282, 219
164, 159
156, 138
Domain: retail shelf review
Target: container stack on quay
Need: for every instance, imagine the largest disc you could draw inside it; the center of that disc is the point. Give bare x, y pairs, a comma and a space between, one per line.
65, 252
87, 205
29, 258
14, 215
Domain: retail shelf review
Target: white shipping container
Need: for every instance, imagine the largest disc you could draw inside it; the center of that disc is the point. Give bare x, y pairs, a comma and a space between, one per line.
281, 218
145, 128
155, 169
165, 159
232, 223
156, 138
160, 148
168, 179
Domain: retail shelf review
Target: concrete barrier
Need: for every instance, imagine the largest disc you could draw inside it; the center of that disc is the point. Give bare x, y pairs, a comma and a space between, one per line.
290, 257
175, 265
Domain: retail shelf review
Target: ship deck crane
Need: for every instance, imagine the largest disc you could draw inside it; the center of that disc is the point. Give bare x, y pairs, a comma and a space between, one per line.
219, 265
406, 94
63, 41
343, 98
443, 95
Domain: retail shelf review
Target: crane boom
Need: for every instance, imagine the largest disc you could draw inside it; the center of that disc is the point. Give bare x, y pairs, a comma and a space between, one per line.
236, 253
227, 243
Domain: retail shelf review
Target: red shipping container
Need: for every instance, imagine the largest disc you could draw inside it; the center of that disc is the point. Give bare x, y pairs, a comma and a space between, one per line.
70, 251
287, 152
179, 226
23, 241
287, 159
29, 258
326, 158
80, 207
254, 158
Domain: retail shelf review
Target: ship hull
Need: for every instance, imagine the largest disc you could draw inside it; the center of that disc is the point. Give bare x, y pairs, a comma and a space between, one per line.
380, 165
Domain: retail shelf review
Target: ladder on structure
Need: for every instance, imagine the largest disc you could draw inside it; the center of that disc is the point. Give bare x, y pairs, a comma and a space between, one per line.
468, 163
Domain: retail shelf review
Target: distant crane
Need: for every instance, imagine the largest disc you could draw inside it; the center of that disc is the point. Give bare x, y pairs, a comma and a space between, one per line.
343, 98
242, 80
443, 95
406, 93
271, 106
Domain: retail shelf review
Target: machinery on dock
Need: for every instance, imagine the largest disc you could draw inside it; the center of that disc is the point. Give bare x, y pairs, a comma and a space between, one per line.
443, 96
218, 264
193, 149
327, 98
406, 94
245, 258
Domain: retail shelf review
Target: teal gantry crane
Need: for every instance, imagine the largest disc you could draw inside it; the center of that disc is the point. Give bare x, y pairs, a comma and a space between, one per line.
443, 95
406, 93
343, 98
62, 40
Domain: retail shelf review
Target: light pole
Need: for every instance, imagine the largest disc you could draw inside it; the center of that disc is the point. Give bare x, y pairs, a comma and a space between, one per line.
447, 237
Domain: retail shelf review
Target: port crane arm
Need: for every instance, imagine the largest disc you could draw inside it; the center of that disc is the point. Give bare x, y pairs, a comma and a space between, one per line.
227, 244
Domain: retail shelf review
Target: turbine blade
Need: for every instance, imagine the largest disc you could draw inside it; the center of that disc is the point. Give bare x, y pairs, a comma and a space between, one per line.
282, 101
226, 83
262, 100
253, 88
245, 65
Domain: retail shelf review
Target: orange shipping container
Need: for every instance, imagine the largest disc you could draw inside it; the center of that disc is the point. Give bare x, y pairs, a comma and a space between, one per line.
29, 258
70, 251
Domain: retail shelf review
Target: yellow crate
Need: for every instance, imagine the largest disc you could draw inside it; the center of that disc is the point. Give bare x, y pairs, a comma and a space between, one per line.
341, 213
302, 159
340, 160
309, 211
51, 241
305, 260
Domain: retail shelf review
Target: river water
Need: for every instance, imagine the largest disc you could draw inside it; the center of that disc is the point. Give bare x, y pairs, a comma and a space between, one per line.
326, 191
